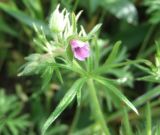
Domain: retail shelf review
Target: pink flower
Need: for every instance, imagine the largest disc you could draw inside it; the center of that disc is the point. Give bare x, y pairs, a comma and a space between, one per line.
80, 49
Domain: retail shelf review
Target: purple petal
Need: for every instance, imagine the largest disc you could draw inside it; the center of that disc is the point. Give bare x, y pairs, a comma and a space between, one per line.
81, 53
77, 43
80, 49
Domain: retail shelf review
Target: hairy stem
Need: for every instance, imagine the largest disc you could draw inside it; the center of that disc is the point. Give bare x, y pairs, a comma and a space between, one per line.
95, 105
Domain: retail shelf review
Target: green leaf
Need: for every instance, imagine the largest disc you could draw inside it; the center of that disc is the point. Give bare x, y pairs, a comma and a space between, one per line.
36, 64
47, 76
34, 7
93, 5
12, 128
154, 10
58, 129
4, 27
67, 99
112, 56
152, 94
144, 68
94, 30
33, 57
11, 119
21, 16
122, 9
58, 73
149, 78
29, 68
127, 124
113, 89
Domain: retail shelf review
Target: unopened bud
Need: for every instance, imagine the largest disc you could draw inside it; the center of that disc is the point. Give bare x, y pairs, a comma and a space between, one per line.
57, 21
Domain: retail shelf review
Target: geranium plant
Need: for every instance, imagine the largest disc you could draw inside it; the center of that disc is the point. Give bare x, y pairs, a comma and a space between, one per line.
70, 47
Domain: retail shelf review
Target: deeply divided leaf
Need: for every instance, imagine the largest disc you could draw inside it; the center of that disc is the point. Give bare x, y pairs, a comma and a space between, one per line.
113, 89
67, 99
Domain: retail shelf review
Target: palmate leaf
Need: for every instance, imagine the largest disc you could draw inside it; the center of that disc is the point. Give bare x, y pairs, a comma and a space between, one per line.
113, 89
67, 99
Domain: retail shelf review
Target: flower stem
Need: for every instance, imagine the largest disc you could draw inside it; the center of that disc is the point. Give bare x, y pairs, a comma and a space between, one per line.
148, 120
96, 107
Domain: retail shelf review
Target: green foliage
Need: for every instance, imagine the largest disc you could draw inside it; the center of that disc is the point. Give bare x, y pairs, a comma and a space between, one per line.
153, 10
113, 55
19, 15
119, 80
67, 99
11, 119
36, 64
113, 89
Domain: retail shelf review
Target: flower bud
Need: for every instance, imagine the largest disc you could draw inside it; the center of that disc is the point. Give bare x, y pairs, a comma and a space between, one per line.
57, 21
